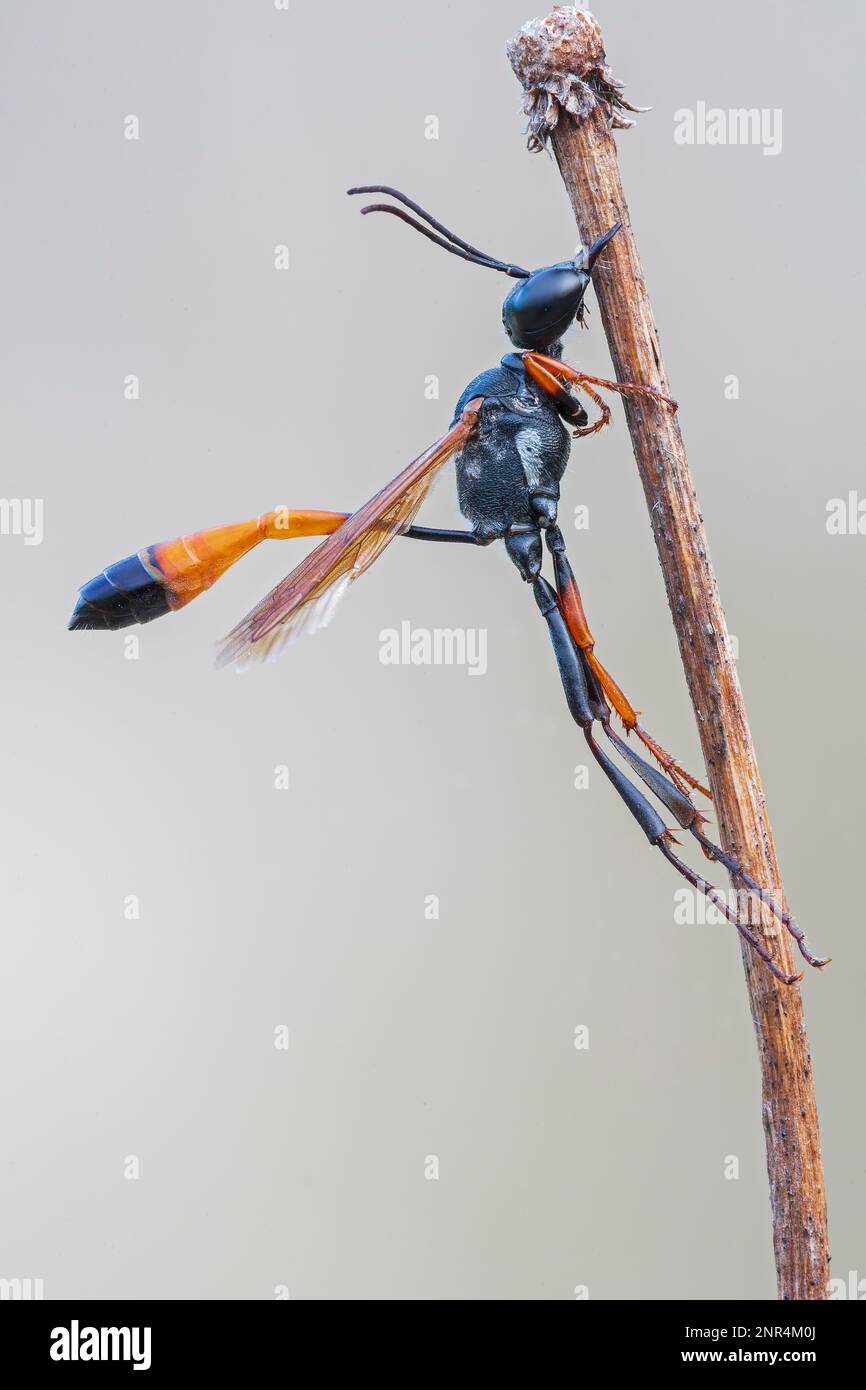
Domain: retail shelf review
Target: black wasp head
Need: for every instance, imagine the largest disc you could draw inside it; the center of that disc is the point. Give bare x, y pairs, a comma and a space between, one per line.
541, 309
543, 306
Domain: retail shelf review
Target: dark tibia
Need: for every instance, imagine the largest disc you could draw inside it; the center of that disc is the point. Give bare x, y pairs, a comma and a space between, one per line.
570, 667
580, 703
570, 408
679, 805
572, 607
600, 707
437, 533
644, 813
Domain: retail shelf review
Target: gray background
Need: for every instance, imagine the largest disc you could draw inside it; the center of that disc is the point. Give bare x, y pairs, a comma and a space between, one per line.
305, 907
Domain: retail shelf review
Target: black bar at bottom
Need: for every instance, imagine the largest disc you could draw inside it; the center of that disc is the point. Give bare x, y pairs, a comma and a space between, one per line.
219, 1339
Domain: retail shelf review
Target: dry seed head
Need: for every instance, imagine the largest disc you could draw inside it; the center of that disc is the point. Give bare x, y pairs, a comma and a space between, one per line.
560, 62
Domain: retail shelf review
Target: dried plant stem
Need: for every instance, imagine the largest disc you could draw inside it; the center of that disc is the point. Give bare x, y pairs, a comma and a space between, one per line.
571, 98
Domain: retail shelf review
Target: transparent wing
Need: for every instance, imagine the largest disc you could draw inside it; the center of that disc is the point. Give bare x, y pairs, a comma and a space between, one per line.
306, 599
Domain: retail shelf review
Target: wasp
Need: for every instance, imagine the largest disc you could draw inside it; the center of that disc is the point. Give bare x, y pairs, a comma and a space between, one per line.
510, 438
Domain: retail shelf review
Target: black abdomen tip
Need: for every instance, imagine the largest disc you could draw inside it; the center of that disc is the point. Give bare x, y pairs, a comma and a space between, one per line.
125, 593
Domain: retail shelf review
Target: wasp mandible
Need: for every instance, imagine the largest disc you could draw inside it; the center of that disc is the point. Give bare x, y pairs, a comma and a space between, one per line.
510, 438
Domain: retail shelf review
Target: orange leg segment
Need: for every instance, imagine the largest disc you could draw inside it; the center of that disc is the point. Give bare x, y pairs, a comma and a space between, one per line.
603, 420
550, 373
575, 617
539, 368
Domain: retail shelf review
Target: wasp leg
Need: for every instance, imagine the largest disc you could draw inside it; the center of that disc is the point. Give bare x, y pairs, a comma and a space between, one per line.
690, 818
567, 404
438, 533
603, 418
738, 872
575, 617
680, 804
544, 503
586, 704
550, 373
716, 897
327, 522
670, 792
523, 545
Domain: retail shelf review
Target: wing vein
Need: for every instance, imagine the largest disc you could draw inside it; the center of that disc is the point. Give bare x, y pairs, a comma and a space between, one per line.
306, 599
